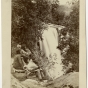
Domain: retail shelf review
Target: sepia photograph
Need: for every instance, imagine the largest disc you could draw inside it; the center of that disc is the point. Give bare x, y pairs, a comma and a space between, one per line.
45, 44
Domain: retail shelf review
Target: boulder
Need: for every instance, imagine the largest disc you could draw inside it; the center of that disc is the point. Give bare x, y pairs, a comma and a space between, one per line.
70, 80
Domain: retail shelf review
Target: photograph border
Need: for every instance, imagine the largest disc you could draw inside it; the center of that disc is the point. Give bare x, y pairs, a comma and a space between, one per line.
6, 44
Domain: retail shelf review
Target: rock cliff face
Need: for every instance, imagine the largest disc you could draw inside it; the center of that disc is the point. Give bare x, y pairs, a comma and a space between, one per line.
70, 80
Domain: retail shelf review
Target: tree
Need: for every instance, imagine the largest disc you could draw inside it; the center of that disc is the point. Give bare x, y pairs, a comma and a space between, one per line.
27, 18
72, 24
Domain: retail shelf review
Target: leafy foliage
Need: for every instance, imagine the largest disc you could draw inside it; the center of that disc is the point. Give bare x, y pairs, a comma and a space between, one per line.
28, 17
26, 20
72, 24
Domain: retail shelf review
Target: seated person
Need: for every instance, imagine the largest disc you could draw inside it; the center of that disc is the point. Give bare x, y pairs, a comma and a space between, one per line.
25, 53
29, 65
18, 63
19, 58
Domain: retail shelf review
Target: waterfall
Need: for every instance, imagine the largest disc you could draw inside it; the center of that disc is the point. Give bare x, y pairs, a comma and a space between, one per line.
49, 46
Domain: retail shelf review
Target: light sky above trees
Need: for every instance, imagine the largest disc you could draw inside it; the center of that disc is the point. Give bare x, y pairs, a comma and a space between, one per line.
64, 2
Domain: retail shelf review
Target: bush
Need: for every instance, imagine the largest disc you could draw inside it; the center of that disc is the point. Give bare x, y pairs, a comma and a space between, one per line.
72, 24
27, 19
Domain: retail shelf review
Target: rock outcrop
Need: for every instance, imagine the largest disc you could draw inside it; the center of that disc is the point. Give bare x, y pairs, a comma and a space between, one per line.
70, 80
